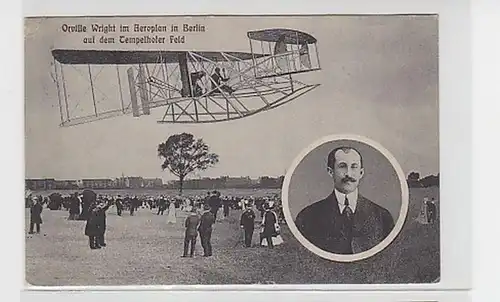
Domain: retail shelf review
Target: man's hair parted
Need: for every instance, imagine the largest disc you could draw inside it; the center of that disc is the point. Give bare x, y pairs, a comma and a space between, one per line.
331, 156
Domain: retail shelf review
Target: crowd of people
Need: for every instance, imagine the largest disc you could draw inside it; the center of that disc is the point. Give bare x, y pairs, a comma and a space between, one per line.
203, 214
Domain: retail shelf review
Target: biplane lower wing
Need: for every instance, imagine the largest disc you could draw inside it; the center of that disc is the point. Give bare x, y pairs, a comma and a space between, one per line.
211, 117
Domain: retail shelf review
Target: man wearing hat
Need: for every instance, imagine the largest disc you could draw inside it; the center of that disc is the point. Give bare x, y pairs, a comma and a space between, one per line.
225, 206
74, 209
162, 206
134, 205
205, 230
101, 221
214, 202
431, 207
36, 215
119, 205
92, 226
247, 223
191, 234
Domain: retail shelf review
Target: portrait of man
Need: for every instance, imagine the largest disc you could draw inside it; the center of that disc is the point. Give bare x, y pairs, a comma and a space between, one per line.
345, 222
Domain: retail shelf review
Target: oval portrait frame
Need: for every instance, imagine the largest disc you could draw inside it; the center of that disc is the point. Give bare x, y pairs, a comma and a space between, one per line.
398, 226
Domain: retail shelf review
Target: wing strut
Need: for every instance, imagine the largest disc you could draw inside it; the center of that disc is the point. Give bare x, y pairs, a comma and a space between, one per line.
92, 88
143, 91
65, 93
253, 58
184, 72
120, 88
224, 94
317, 53
58, 92
165, 75
191, 91
133, 92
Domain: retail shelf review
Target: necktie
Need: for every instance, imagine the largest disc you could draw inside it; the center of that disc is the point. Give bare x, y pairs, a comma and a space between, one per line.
348, 224
347, 212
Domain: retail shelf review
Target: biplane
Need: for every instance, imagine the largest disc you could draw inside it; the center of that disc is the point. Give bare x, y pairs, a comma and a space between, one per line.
191, 86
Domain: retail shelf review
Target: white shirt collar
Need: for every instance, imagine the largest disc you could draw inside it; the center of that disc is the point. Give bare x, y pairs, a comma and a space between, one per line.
352, 197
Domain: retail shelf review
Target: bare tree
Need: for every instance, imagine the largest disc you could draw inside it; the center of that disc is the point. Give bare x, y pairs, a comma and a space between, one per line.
183, 154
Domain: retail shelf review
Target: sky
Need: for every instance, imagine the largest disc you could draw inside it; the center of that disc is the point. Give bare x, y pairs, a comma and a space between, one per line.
378, 78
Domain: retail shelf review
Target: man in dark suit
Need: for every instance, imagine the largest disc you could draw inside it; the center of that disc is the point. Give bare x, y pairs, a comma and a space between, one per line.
345, 222
214, 202
74, 210
101, 220
119, 205
36, 215
431, 208
269, 228
92, 227
247, 223
162, 206
191, 233
218, 82
225, 207
205, 230
134, 204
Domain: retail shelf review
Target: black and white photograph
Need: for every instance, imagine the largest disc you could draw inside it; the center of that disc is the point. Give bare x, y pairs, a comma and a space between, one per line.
179, 150
352, 199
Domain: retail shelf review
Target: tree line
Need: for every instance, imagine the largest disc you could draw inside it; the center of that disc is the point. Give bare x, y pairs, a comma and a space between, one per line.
414, 180
182, 154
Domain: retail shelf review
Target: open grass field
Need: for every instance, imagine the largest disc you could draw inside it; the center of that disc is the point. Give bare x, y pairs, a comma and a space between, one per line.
144, 250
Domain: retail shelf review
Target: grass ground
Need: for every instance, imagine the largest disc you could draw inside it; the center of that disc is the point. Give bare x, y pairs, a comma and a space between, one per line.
144, 250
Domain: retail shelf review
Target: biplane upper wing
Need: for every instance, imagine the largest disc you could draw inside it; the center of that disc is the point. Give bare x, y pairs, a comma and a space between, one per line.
111, 57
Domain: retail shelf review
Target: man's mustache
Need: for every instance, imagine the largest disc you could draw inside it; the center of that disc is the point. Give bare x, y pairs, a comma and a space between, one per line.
348, 179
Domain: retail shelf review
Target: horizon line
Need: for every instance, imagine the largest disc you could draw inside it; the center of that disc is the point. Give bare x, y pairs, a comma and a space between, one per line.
187, 178
145, 177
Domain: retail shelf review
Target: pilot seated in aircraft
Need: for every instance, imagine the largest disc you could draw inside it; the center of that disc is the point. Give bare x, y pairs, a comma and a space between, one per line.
197, 83
217, 81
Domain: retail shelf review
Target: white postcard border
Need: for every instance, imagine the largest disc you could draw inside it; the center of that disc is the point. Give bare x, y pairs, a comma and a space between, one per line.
455, 104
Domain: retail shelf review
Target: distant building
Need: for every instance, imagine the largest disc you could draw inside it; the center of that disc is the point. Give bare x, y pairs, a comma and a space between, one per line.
40, 184
96, 183
66, 184
119, 183
172, 184
152, 183
238, 182
133, 182
202, 183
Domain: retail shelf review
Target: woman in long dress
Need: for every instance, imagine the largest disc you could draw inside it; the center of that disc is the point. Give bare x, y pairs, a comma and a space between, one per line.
270, 232
171, 213
423, 215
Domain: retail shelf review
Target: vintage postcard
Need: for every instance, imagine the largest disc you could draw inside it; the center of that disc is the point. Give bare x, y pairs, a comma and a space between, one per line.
232, 150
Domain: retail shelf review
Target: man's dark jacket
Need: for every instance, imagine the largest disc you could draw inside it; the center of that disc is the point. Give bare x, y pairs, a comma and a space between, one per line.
92, 227
247, 219
191, 225
36, 213
101, 214
214, 202
321, 224
206, 222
